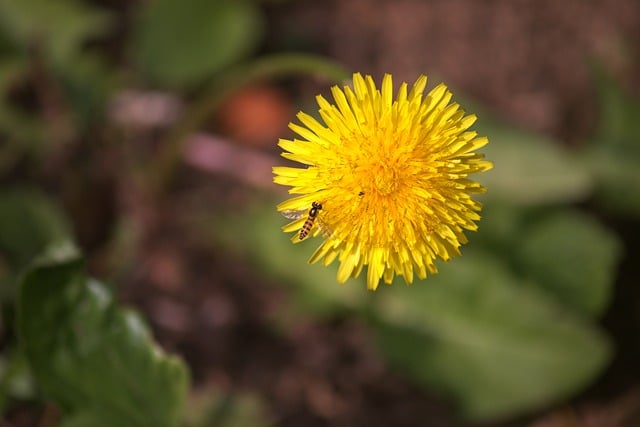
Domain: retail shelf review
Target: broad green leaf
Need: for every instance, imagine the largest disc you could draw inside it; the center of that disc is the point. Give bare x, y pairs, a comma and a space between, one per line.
181, 43
496, 347
530, 169
614, 152
573, 257
96, 360
29, 223
564, 252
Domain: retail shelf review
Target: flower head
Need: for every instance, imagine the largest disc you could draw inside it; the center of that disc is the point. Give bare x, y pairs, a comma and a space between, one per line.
389, 179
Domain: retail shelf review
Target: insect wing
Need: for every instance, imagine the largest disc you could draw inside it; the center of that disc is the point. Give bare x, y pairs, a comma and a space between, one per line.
323, 227
295, 214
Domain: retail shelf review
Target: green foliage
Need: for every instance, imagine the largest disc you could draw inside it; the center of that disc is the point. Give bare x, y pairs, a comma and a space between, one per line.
508, 328
15, 379
45, 42
57, 28
95, 360
29, 223
614, 152
498, 348
180, 44
88, 84
565, 252
505, 329
530, 169
571, 256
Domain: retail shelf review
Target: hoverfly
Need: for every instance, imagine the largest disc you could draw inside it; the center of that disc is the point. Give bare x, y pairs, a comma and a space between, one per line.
312, 219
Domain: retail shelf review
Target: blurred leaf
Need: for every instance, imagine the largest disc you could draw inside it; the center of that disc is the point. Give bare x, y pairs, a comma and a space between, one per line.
88, 82
59, 28
530, 169
618, 178
53, 34
564, 252
15, 378
29, 223
257, 235
614, 152
572, 256
618, 125
499, 227
181, 43
496, 347
97, 361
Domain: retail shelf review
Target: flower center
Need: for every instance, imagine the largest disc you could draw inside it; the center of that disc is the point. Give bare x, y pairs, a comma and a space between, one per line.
385, 178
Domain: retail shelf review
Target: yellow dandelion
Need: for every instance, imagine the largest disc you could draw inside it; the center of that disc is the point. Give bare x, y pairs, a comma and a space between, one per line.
385, 180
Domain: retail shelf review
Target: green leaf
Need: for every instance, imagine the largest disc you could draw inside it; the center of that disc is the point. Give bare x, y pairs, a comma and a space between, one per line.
15, 378
618, 124
614, 152
97, 361
530, 169
59, 28
476, 334
29, 223
573, 257
88, 82
56, 34
618, 180
182, 43
499, 227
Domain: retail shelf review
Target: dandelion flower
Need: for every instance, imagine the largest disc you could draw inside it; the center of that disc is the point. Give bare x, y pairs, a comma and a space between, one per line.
385, 180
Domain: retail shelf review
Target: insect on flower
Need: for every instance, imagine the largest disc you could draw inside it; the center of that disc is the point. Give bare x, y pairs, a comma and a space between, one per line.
393, 171
312, 218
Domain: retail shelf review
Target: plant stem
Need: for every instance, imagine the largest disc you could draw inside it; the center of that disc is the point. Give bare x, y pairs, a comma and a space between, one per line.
162, 168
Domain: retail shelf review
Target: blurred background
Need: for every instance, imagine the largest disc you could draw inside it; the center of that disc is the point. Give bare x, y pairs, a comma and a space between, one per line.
145, 131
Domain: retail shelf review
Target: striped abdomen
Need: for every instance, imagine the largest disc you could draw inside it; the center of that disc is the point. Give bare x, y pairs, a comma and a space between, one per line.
308, 224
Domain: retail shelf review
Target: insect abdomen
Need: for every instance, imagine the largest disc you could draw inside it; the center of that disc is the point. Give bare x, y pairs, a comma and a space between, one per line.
308, 224
306, 228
